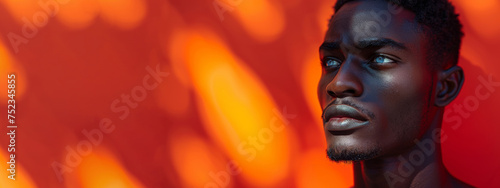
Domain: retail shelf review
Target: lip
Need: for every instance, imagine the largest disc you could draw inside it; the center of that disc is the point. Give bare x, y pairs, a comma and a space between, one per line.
344, 118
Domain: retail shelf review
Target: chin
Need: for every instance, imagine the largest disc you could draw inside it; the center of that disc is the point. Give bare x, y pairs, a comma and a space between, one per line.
340, 150
351, 155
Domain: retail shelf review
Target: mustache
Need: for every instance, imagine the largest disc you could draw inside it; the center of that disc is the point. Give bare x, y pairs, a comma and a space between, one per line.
349, 103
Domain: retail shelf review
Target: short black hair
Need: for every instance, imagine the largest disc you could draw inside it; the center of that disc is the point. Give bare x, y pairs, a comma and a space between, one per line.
442, 28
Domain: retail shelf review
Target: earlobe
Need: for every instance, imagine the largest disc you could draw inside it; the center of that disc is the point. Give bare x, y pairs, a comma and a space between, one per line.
449, 84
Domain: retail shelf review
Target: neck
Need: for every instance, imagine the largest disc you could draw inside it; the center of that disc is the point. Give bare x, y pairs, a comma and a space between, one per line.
419, 166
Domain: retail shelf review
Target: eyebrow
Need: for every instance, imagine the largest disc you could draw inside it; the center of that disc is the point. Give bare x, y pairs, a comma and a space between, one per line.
328, 46
379, 43
367, 43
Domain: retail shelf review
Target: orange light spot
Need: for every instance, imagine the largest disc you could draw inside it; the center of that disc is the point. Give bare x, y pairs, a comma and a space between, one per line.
125, 14
102, 169
78, 14
194, 160
236, 108
21, 9
23, 179
478, 13
177, 43
7, 67
315, 170
310, 79
263, 20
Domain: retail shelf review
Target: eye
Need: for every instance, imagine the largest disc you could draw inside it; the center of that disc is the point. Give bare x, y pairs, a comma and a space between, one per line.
331, 63
381, 60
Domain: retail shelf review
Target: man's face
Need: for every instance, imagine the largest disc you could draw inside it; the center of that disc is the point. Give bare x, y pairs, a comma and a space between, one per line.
376, 89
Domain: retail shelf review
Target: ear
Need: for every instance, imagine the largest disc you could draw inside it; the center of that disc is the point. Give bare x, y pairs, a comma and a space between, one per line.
448, 86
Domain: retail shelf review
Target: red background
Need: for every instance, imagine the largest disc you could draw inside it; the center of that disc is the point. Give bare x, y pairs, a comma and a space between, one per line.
236, 68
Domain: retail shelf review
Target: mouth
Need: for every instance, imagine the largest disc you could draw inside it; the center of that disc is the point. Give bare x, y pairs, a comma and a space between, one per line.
342, 119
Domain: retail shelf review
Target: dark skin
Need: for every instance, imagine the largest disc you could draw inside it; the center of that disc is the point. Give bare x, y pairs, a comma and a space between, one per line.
380, 95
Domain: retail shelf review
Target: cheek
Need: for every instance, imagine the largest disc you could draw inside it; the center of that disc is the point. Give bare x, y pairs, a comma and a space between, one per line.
404, 90
403, 102
406, 105
412, 93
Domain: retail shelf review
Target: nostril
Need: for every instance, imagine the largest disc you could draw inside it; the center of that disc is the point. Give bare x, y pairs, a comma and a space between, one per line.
350, 91
331, 93
342, 93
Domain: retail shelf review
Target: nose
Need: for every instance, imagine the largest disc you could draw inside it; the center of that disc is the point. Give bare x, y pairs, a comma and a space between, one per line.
346, 82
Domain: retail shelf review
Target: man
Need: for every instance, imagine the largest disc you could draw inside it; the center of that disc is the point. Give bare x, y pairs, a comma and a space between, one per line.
389, 69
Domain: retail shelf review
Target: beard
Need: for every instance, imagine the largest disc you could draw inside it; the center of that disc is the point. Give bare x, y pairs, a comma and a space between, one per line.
352, 155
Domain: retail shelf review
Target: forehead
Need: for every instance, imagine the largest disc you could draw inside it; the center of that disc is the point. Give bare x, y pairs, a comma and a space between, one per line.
374, 19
